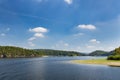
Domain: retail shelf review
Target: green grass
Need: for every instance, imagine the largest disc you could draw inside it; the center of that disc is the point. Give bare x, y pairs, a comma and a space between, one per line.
99, 61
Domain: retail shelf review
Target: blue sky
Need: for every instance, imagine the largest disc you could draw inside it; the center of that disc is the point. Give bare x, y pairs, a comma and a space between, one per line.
77, 25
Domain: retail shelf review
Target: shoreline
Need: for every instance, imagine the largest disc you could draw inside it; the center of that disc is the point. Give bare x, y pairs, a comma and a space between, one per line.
113, 63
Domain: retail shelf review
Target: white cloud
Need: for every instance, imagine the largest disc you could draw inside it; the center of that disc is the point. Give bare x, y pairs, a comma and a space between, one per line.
32, 38
94, 41
31, 44
39, 35
89, 27
68, 1
38, 30
3, 34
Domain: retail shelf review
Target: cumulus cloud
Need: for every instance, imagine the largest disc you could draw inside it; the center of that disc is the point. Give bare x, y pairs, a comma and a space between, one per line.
38, 30
39, 35
68, 1
89, 27
94, 41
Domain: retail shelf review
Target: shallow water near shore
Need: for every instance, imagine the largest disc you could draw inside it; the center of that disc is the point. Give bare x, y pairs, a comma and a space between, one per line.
55, 68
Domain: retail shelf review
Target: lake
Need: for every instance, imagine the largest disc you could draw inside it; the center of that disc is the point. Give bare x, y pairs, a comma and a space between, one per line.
55, 68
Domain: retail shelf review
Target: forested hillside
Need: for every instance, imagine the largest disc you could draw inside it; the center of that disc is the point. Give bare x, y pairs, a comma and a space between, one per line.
59, 52
115, 54
10, 51
99, 53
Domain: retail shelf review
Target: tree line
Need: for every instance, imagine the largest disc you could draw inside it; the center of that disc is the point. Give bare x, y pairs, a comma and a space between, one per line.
12, 51
115, 55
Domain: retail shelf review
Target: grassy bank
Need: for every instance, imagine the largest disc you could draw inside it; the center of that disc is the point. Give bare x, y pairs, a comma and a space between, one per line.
99, 61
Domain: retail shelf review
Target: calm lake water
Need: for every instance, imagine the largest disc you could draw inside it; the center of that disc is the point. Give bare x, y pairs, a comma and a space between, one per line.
55, 68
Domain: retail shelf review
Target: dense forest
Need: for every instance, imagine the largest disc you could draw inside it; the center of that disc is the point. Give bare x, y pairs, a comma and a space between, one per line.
115, 54
14, 52
10, 51
99, 53
59, 52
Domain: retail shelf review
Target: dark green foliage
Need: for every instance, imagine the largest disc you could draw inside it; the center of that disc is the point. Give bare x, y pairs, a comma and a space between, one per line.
59, 52
10, 51
115, 55
98, 53
117, 51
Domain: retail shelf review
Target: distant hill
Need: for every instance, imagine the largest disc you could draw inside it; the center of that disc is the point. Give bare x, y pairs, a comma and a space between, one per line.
12, 51
99, 53
110, 53
59, 52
